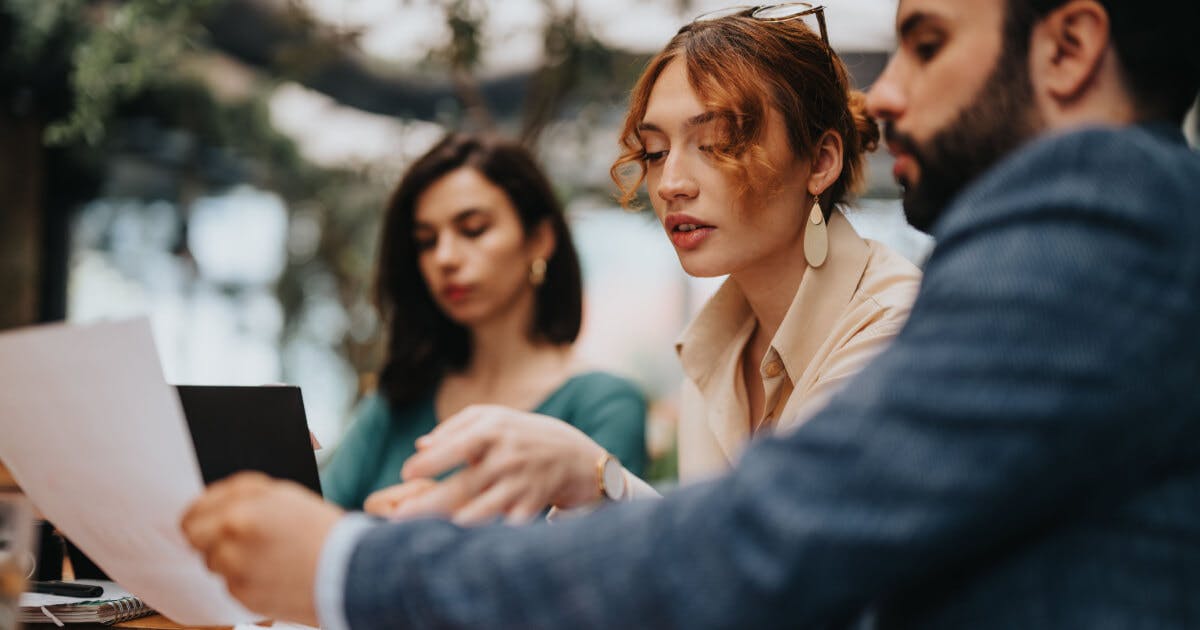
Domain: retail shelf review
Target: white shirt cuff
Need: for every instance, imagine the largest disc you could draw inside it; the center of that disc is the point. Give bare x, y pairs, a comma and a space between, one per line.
332, 567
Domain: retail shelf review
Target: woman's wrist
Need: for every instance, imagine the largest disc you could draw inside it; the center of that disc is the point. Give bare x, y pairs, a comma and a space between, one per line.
583, 485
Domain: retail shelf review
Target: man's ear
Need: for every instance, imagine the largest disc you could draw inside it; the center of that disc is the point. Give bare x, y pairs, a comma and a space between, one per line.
826, 163
1067, 50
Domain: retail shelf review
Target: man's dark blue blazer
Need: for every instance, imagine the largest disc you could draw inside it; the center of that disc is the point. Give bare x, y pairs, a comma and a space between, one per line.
1025, 455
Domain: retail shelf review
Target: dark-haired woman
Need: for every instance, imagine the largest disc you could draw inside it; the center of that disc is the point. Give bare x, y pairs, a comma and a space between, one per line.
480, 285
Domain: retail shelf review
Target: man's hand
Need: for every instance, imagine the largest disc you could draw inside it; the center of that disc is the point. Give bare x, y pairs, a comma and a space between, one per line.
264, 536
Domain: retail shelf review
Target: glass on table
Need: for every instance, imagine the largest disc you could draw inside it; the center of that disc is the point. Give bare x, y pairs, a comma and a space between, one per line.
16, 553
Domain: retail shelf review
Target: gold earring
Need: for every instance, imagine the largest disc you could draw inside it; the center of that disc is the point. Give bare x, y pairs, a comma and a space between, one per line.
816, 238
537, 272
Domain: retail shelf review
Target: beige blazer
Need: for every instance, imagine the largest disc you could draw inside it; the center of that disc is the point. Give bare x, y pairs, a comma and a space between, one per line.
844, 313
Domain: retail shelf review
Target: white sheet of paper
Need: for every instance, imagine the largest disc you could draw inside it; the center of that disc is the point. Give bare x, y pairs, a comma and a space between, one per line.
96, 438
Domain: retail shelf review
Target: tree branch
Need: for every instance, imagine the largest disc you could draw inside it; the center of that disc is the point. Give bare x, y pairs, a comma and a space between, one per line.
288, 44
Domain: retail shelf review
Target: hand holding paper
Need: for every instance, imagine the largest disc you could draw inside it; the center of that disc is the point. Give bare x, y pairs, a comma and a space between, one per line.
265, 537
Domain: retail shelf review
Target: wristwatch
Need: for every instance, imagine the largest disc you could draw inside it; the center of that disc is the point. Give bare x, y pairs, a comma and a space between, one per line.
611, 477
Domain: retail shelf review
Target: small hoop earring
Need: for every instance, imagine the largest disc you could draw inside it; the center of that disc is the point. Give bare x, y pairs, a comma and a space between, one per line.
537, 272
816, 238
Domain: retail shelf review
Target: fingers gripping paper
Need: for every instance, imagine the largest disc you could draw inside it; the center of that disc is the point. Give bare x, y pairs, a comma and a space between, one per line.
94, 435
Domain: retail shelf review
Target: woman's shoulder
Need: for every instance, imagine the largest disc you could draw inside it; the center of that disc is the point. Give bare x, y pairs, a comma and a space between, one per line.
600, 381
890, 281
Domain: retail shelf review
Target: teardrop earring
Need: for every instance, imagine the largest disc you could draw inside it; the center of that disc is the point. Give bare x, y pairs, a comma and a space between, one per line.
537, 272
816, 238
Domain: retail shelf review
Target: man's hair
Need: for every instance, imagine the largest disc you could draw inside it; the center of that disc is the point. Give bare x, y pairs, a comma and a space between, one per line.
1156, 42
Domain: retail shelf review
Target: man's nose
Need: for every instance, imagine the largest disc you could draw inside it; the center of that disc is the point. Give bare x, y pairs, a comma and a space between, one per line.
885, 99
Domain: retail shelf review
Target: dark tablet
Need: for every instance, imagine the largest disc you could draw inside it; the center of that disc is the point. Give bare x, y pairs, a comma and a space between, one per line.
250, 428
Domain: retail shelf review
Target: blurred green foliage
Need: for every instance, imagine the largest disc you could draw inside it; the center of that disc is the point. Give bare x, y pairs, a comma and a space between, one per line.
135, 45
110, 52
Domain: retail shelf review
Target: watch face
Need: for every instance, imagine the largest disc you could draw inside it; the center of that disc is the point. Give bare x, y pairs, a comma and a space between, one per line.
614, 480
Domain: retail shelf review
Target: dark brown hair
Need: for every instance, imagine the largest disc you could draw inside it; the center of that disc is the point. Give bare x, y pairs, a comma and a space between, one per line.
740, 66
423, 343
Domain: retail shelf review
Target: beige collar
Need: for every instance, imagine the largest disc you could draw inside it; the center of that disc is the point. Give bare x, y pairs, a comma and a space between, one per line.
821, 298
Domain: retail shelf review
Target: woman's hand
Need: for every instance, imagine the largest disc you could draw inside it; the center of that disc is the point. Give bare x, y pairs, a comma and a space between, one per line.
387, 502
515, 464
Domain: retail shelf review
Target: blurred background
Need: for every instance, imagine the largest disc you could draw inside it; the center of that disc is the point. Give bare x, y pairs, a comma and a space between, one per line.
220, 166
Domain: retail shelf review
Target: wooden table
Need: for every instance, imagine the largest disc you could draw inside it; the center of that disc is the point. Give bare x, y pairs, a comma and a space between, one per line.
152, 622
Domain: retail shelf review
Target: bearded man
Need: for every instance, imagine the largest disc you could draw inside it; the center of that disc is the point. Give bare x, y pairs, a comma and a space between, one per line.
1025, 455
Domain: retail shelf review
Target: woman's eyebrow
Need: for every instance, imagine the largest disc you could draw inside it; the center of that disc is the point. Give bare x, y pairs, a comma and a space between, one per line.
694, 121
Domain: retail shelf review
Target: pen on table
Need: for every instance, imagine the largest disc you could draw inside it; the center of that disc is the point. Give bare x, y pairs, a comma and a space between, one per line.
68, 589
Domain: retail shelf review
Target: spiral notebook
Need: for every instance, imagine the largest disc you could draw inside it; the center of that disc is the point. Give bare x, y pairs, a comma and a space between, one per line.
114, 606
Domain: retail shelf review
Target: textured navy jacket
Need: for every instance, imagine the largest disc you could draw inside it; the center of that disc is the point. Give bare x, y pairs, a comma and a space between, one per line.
1025, 455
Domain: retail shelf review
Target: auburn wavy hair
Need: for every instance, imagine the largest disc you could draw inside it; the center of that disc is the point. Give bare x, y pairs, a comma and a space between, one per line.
740, 66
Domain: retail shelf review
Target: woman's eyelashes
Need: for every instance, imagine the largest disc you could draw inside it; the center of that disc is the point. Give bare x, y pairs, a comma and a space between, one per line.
654, 157
425, 241
474, 229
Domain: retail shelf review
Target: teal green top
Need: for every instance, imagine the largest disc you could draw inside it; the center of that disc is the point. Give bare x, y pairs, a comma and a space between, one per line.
609, 409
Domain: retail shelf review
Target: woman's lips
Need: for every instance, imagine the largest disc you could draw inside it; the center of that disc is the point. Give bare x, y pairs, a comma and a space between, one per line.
456, 292
686, 232
690, 237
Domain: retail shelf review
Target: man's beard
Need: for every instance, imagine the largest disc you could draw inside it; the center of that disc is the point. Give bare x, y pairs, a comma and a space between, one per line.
1000, 118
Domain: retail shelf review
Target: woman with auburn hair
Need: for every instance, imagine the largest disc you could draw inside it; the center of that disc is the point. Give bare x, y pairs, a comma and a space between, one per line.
748, 138
480, 286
